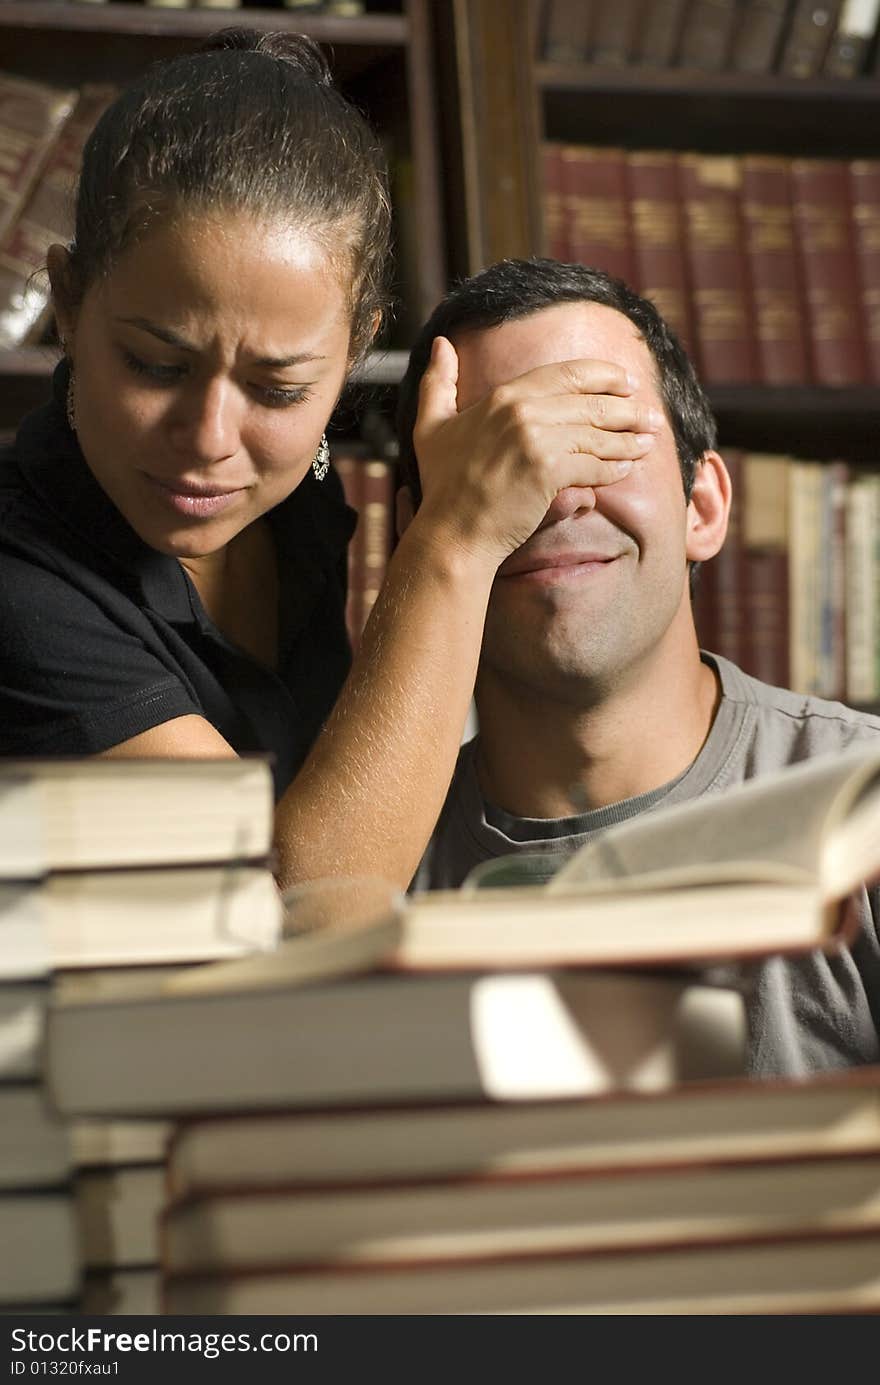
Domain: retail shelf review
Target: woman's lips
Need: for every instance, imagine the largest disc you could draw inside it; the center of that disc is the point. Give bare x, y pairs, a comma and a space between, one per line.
194, 500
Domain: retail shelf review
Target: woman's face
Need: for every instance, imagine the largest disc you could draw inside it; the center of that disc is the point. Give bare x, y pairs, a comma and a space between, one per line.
207, 364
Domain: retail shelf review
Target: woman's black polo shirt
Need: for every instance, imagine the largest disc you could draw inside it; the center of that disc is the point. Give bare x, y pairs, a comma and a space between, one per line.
102, 638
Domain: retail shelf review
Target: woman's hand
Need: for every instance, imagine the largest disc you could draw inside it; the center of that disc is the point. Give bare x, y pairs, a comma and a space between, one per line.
490, 473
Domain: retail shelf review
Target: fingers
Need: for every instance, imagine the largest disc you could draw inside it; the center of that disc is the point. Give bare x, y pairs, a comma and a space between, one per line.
600, 411
438, 388
584, 376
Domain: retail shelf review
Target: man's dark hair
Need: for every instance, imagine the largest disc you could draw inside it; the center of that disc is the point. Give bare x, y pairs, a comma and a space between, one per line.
514, 289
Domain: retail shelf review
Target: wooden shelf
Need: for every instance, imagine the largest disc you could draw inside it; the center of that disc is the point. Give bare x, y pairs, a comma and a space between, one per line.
710, 111
385, 30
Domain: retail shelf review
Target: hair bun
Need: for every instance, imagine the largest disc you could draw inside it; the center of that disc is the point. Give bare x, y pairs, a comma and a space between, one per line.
296, 50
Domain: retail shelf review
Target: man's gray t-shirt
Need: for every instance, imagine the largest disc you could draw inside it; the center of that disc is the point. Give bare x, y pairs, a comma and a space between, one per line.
805, 1014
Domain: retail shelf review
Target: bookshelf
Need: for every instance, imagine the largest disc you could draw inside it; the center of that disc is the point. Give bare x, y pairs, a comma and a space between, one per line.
517, 105
383, 60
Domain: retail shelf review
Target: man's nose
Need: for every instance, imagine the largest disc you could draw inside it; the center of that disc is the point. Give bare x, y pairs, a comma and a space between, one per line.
569, 502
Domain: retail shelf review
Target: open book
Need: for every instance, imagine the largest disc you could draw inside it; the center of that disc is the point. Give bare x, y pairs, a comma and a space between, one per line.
772, 866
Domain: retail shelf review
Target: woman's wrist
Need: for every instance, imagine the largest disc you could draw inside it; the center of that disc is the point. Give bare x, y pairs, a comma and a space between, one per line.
436, 547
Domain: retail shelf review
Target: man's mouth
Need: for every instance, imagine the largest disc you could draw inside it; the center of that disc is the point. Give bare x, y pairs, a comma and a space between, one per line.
558, 562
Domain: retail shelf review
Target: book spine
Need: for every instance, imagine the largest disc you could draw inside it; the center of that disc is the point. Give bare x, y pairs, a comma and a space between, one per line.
778, 294
832, 657
377, 515
805, 561
597, 209
764, 503
555, 235
659, 33
758, 36
659, 268
864, 175
848, 50
349, 469
614, 30
808, 38
718, 268
31, 117
861, 590
565, 30
45, 217
826, 250
707, 34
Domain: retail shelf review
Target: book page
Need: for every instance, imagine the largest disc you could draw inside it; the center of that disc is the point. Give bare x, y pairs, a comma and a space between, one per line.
788, 827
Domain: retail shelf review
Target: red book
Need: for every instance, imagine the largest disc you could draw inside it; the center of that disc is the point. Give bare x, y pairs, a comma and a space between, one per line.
827, 251
657, 234
596, 209
718, 269
864, 177
552, 194
765, 602
778, 293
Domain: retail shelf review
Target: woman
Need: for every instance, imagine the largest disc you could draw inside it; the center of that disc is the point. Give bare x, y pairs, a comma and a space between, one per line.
172, 548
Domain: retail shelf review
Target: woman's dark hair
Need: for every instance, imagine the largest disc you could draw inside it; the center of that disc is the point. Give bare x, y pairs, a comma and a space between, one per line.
250, 122
514, 289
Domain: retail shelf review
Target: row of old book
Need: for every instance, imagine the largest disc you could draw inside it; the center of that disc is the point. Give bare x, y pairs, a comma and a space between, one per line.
768, 268
796, 38
794, 595
520, 1100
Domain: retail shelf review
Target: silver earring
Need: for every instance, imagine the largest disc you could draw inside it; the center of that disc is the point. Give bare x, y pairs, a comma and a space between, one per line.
71, 401
321, 461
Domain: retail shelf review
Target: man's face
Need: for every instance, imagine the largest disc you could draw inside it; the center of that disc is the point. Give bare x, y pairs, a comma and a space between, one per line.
603, 581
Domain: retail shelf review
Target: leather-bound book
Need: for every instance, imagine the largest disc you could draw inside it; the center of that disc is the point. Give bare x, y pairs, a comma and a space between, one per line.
764, 500
826, 244
659, 33
658, 236
758, 36
596, 209
552, 193
718, 268
864, 176
808, 39
707, 35
778, 291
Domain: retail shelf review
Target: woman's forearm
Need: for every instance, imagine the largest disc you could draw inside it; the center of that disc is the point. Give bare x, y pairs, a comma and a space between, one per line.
388, 750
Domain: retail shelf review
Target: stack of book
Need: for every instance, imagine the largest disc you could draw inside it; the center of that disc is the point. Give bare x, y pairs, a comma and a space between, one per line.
795, 38
766, 267
40, 1269
146, 868
524, 1100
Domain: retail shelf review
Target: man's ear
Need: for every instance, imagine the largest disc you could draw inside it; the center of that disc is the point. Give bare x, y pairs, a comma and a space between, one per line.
708, 509
405, 509
63, 299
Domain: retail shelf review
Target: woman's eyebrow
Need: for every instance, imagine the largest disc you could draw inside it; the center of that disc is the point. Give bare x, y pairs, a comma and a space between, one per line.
164, 334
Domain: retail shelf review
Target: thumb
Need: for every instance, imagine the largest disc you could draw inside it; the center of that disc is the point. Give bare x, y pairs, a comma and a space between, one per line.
438, 391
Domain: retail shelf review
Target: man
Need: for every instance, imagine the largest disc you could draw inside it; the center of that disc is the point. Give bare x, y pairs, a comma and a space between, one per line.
594, 701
